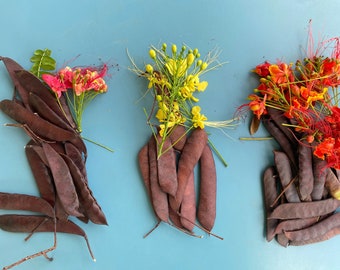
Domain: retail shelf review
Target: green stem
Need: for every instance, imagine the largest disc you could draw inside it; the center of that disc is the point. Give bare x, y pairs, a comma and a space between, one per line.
98, 144
255, 138
218, 153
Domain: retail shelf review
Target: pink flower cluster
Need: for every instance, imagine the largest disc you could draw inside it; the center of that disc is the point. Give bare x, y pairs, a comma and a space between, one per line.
81, 80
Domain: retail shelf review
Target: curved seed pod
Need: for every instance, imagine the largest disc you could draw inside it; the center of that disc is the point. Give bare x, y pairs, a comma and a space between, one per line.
295, 224
306, 179
206, 212
87, 201
33, 223
270, 195
323, 237
316, 230
143, 162
279, 119
178, 137
281, 140
73, 152
305, 209
174, 217
191, 153
60, 212
41, 175
40, 126
63, 181
286, 176
23, 223
282, 240
188, 206
35, 85
319, 173
158, 197
144, 166
166, 165
40, 106
11, 67
14, 201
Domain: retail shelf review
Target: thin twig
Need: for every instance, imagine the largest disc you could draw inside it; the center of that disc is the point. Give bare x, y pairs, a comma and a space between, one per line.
40, 253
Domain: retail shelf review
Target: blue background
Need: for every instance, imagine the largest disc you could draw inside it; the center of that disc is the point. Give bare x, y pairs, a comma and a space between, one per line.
248, 32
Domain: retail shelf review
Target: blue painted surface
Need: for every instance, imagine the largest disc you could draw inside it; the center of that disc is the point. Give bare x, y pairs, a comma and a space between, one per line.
248, 32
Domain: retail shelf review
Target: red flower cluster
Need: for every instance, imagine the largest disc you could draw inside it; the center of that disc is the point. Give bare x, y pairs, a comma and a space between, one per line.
83, 83
78, 79
306, 93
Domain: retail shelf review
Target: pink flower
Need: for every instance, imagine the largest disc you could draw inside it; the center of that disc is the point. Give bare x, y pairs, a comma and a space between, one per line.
54, 83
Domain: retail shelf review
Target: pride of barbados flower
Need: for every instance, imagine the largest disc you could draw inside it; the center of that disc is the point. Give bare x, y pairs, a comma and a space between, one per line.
175, 78
307, 96
80, 85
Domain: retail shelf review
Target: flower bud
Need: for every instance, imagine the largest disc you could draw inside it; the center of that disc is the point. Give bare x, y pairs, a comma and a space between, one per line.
164, 47
195, 51
174, 48
204, 65
149, 68
152, 54
190, 59
199, 63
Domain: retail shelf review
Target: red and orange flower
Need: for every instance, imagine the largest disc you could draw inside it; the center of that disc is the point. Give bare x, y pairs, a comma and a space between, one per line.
306, 93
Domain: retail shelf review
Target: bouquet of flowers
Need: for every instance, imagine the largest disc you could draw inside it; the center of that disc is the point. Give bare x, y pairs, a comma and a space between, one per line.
49, 107
178, 133
298, 105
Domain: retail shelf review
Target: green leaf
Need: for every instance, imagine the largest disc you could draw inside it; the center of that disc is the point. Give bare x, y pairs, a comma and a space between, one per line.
42, 62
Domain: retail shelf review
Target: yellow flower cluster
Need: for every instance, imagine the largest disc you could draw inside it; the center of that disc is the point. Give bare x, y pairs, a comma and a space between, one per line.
168, 116
198, 118
176, 78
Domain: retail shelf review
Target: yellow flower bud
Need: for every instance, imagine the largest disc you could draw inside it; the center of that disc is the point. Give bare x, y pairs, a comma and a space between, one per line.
195, 51
164, 47
190, 58
149, 68
199, 63
174, 48
204, 65
152, 54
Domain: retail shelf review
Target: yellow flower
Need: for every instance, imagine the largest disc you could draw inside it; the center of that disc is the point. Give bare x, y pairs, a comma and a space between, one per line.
315, 96
157, 79
198, 118
187, 94
161, 115
193, 83
177, 67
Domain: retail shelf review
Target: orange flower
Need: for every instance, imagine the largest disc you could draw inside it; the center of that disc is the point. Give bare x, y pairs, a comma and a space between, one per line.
257, 105
281, 73
325, 148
